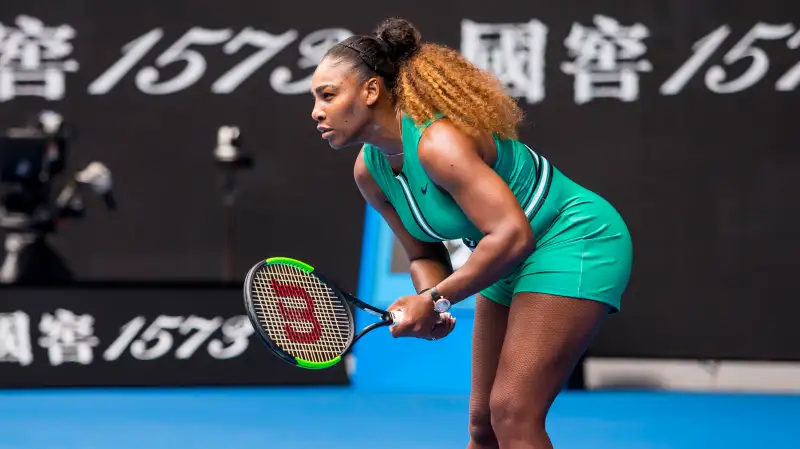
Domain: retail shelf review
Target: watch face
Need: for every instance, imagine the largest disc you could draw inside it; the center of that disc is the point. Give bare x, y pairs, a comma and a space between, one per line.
441, 305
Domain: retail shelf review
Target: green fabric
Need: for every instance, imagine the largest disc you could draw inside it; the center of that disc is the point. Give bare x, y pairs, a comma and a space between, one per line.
583, 247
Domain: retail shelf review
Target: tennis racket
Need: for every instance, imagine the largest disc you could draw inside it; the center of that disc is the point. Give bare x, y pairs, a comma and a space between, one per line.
302, 316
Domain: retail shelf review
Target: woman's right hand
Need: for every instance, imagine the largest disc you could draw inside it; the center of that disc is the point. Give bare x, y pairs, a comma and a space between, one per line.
443, 329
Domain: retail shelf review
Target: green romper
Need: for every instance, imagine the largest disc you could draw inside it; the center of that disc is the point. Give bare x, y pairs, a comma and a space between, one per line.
583, 248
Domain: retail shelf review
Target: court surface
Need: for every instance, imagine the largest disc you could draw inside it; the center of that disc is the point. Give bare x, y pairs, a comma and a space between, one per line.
279, 418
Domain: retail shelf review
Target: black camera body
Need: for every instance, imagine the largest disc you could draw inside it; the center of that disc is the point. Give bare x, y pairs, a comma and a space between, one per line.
31, 158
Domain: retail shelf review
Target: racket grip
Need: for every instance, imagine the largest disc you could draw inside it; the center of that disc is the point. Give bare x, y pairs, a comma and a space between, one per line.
397, 316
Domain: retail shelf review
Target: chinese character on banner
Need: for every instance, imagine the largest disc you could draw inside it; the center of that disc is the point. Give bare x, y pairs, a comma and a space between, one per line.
15, 338
68, 337
607, 59
512, 52
32, 59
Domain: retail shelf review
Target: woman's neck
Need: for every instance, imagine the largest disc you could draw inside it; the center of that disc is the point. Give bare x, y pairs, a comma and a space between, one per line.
385, 132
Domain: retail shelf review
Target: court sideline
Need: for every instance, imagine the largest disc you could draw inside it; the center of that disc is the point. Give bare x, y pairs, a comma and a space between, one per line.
342, 418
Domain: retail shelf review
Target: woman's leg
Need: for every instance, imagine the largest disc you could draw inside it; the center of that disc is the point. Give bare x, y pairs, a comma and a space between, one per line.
545, 337
487, 340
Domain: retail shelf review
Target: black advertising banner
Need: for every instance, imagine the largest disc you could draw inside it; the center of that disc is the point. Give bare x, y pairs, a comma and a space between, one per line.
677, 112
145, 336
148, 90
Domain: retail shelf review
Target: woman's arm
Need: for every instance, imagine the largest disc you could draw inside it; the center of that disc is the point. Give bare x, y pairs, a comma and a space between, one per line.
430, 262
453, 161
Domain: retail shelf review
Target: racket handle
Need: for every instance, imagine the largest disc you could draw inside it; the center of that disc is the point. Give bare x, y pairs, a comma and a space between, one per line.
397, 316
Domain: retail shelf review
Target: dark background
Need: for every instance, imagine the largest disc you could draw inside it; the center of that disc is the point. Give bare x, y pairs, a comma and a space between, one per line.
707, 182
113, 308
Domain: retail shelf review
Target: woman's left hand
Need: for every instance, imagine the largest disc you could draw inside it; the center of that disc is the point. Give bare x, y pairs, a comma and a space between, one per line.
420, 319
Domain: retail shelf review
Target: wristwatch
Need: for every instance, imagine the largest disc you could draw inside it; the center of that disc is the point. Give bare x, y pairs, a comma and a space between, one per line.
440, 304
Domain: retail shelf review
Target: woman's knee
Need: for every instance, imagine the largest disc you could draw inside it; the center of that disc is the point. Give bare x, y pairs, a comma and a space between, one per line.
480, 428
511, 413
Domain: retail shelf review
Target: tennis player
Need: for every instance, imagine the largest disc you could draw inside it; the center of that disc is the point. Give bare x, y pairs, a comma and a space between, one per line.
441, 160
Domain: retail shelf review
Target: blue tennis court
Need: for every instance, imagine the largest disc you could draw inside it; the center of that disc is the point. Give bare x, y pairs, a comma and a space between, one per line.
280, 418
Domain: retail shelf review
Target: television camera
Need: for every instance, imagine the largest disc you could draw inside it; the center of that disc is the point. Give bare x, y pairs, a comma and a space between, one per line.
32, 159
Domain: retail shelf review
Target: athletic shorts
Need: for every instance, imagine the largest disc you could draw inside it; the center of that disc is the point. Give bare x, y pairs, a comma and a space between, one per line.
586, 253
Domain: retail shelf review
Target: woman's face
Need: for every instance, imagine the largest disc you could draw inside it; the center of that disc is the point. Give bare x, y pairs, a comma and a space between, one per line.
342, 104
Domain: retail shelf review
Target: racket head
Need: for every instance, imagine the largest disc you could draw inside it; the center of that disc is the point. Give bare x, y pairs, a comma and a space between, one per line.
302, 318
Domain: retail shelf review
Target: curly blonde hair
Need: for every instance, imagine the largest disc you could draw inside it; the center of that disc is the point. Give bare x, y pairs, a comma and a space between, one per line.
437, 79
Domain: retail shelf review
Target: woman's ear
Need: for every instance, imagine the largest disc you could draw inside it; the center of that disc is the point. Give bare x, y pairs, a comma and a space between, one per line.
372, 90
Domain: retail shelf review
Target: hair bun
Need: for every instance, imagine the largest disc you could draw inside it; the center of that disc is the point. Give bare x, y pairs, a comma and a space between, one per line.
401, 37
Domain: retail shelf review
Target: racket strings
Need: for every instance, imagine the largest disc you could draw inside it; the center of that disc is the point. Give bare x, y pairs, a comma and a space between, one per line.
302, 315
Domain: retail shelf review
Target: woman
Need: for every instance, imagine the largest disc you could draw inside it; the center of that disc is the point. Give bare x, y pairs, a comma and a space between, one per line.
441, 160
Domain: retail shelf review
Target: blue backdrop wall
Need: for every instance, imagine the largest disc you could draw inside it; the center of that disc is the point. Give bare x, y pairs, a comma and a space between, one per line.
408, 365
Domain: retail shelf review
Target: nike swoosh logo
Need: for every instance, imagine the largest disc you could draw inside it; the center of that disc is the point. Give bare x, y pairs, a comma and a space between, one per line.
424, 189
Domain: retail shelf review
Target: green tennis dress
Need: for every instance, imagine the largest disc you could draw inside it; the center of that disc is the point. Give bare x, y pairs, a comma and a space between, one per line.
583, 247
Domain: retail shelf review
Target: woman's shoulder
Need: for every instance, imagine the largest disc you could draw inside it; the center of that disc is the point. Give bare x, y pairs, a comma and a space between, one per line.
421, 125
366, 161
